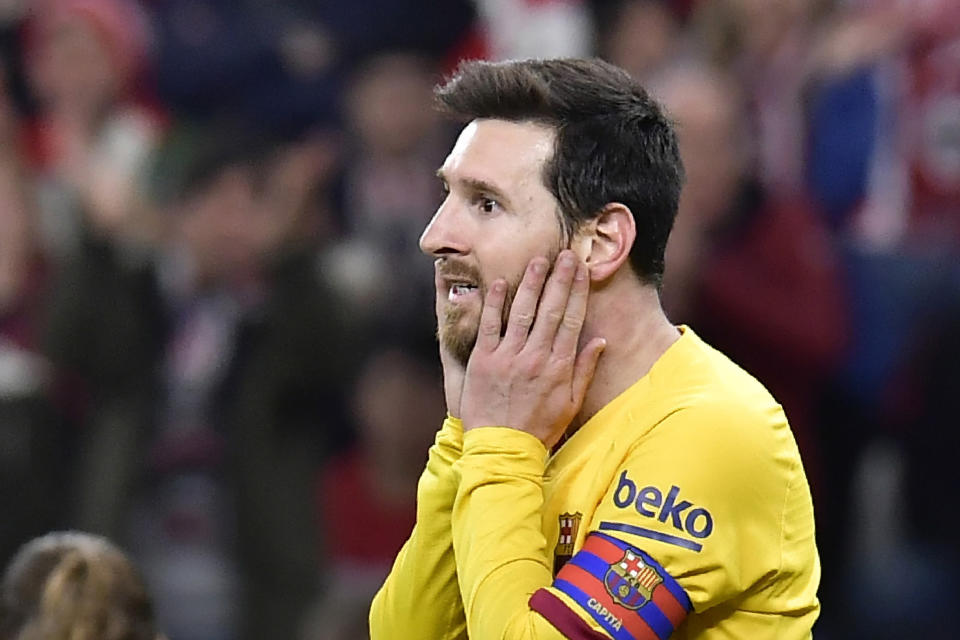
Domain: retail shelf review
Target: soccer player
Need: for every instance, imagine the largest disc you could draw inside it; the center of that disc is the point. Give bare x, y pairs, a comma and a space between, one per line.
602, 473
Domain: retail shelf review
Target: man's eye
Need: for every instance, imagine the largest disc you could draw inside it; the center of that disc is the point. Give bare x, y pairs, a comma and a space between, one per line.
487, 205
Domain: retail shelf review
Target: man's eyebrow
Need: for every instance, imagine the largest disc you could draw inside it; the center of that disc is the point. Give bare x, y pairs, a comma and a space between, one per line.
477, 185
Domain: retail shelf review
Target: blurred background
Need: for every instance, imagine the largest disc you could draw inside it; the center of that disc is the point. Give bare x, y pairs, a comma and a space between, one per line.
216, 329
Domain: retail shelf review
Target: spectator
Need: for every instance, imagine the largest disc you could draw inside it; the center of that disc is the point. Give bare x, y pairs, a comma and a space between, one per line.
32, 436
214, 370
390, 189
368, 497
92, 134
765, 47
882, 101
883, 164
74, 586
639, 35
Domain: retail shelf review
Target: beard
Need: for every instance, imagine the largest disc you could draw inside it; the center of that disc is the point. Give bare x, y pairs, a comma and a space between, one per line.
456, 333
459, 337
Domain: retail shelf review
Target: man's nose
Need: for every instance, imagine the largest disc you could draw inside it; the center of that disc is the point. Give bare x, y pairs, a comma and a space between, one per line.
444, 234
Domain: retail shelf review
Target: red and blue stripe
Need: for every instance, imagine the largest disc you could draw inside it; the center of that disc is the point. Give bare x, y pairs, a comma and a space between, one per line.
582, 579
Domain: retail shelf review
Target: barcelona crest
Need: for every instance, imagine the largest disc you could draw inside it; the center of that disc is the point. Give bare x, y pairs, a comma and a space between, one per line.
631, 581
569, 525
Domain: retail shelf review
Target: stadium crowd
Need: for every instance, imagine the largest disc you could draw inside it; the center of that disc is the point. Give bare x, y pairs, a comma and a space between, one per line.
216, 328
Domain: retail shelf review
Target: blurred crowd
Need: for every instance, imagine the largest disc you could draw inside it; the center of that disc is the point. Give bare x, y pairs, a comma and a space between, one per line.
216, 329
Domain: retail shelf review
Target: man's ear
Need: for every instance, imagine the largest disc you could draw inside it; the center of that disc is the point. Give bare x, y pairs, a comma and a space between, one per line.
605, 242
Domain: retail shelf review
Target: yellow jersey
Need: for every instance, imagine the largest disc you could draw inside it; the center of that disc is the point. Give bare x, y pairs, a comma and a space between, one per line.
680, 510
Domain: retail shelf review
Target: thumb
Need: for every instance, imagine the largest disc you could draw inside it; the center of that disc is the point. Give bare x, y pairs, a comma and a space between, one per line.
585, 367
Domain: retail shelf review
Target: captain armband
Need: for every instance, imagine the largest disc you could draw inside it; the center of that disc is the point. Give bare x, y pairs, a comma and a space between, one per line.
625, 590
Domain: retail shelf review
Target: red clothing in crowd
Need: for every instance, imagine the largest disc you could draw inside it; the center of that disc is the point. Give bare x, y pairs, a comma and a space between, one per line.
361, 526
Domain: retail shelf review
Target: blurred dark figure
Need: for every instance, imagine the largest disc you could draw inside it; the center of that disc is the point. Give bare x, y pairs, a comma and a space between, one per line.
884, 156
271, 63
370, 27
368, 497
283, 63
395, 145
396, 142
74, 586
765, 47
214, 370
884, 162
32, 437
12, 16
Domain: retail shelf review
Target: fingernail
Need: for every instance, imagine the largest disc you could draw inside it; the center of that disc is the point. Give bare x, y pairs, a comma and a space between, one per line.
539, 266
499, 286
568, 260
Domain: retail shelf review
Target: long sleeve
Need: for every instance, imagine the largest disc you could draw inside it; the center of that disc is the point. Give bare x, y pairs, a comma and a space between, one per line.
421, 597
501, 551
668, 548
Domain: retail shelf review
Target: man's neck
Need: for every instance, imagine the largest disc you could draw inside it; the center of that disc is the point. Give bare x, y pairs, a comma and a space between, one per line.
637, 334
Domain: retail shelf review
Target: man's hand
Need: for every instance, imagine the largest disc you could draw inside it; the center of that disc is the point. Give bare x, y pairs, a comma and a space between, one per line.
533, 379
453, 371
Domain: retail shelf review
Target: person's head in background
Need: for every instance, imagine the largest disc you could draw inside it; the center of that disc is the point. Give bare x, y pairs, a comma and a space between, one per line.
706, 106
639, 35
389, 104
395, 144
397, 404
234, 197
751, 32
82, 55
74, 586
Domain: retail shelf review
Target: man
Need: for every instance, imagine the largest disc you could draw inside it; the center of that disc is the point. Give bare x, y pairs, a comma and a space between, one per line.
602, 473
206, 364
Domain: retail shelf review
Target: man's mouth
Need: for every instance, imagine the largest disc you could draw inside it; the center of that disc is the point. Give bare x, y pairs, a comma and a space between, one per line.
460, 280
459, 290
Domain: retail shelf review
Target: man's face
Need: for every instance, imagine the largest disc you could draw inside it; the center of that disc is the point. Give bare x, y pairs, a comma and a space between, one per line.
497, 216
218, 225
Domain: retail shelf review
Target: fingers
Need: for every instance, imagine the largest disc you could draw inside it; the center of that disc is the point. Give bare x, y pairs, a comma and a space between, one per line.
584, 369
553, 302
568, 302
546, 314
524, 307
488, 335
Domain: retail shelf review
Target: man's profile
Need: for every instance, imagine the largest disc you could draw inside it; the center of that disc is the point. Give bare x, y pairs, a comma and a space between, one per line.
602, 473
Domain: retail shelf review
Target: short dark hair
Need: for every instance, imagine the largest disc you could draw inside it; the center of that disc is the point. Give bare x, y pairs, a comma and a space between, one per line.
613, 141
194, 154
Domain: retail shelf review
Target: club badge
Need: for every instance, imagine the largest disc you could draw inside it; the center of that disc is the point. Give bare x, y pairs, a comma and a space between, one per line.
631, 581
569, 525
